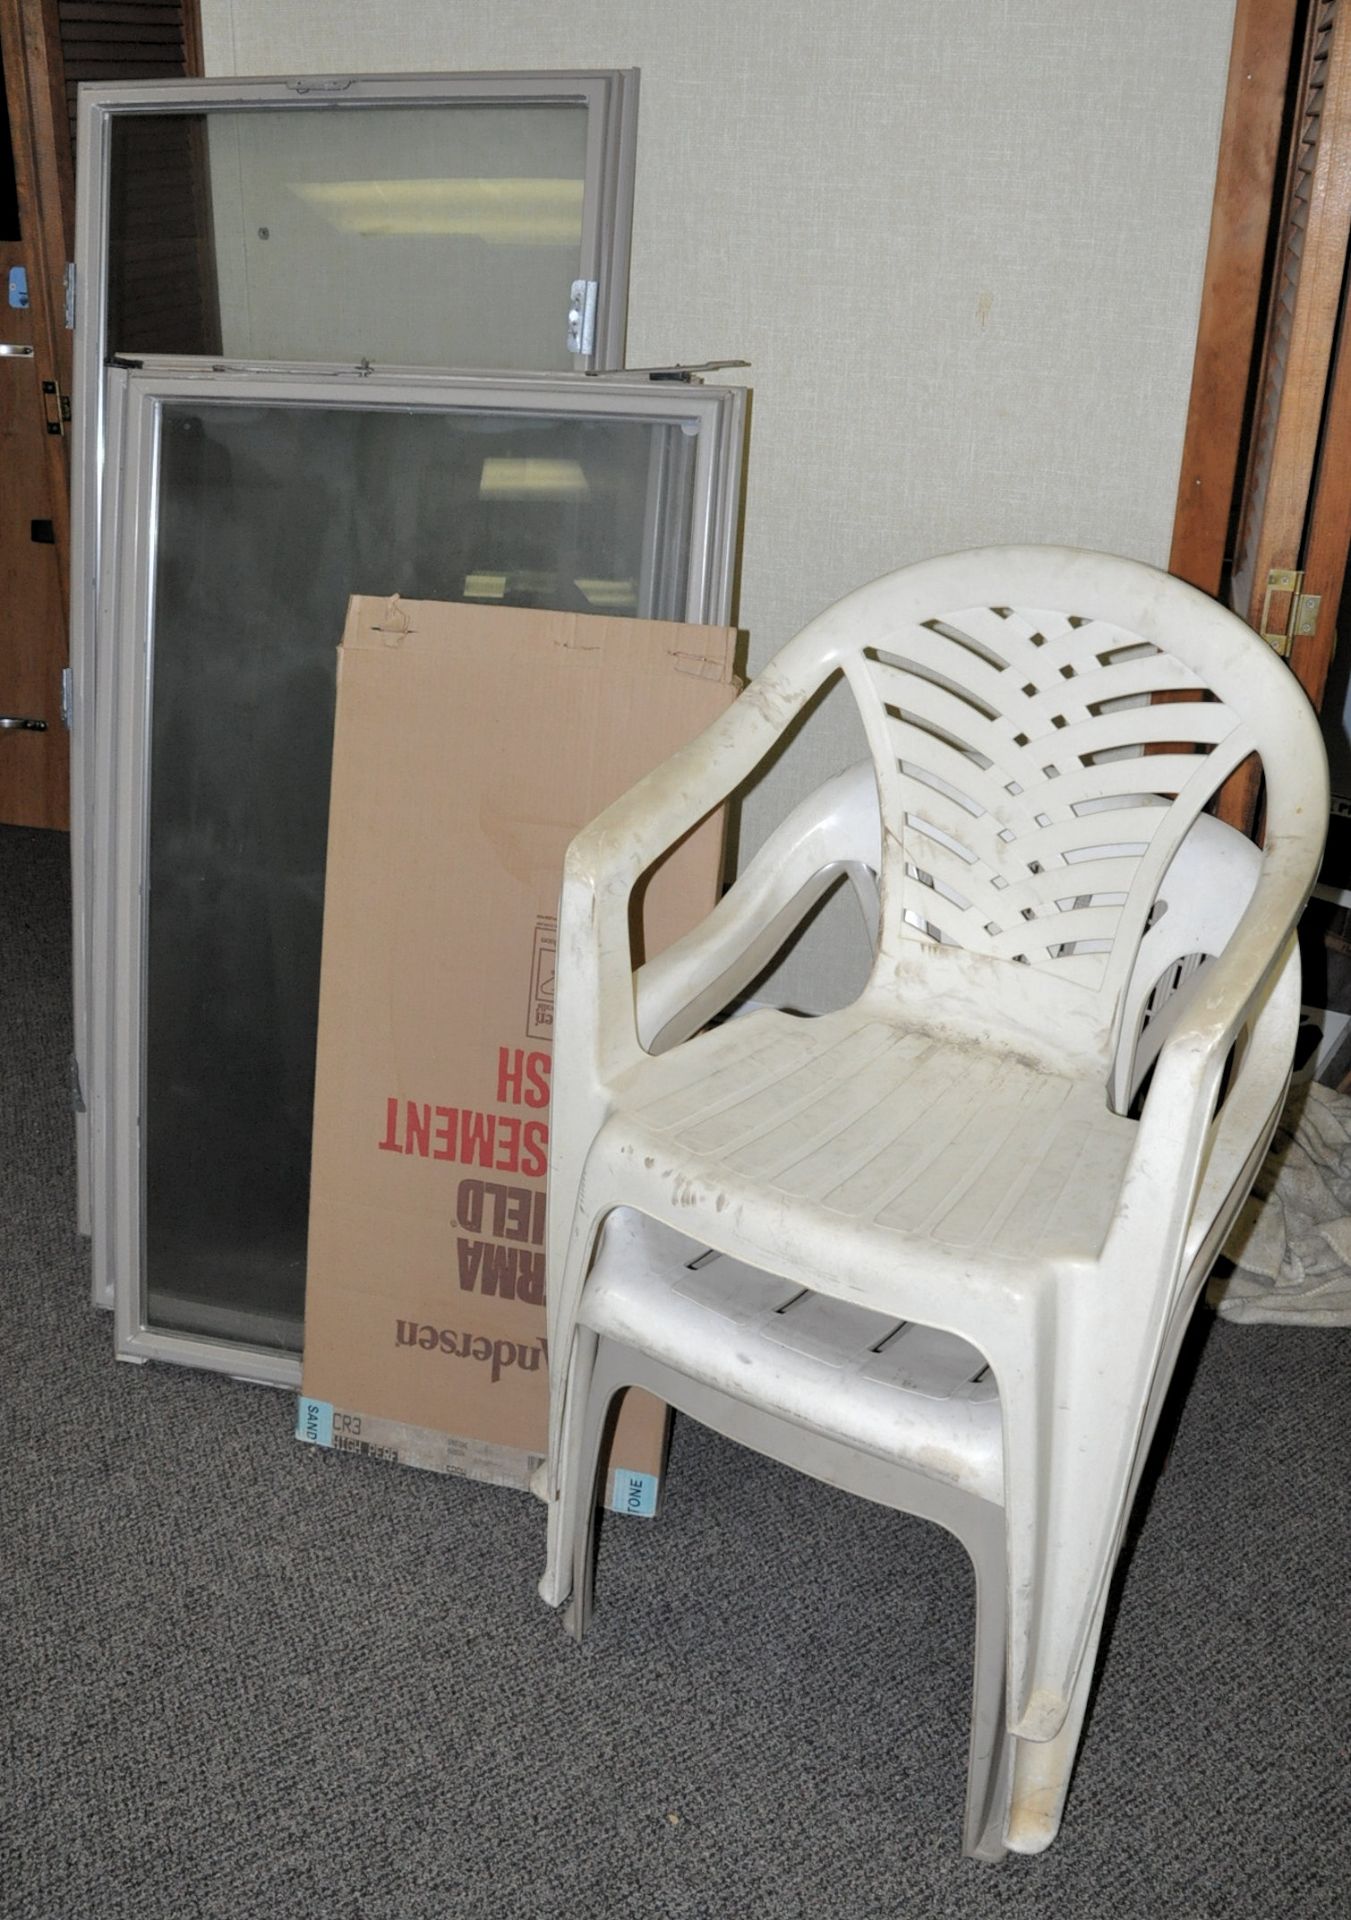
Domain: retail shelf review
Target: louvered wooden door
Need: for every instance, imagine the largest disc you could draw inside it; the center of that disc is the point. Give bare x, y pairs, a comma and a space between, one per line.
124, 40
49, 47
159, 263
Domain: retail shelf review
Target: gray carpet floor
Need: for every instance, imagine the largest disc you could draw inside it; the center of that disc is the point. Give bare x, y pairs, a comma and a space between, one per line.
243, 1677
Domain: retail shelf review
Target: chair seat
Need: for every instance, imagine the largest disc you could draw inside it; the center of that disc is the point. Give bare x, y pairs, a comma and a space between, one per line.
945, 1151
901, 1392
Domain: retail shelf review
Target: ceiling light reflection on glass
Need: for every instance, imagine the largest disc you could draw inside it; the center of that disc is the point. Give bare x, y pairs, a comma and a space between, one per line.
609, 593
505, 478
501, 212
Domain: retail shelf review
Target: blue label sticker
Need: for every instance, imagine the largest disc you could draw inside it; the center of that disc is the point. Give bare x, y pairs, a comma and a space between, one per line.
18, 287
314, 1422
634, 1493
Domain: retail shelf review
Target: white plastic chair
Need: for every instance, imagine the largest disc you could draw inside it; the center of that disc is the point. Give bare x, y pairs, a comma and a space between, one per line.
957, 1150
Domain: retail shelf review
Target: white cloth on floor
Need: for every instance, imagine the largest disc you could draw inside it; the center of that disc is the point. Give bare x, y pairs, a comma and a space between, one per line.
1291, 1244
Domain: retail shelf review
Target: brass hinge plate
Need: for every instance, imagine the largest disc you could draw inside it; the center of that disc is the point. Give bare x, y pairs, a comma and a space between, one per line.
56, 406
1301, 616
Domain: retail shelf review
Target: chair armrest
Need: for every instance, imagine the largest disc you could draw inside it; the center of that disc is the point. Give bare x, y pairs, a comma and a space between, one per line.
662, 807
1168, 1159
833, 832
596, 1013
1256, 1091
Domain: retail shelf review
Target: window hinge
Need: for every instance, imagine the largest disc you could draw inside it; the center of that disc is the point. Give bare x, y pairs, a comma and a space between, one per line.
67, 686
679, 372
56, 406
582, 317
1301, 616
70, 295
76, 1089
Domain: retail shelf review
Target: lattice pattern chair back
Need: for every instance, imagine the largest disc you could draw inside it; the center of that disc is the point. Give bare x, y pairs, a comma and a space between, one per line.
1025, 826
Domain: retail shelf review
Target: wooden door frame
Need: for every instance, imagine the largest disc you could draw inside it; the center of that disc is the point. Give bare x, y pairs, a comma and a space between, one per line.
1305, 513
46, 187
1284, 505
30, 32
1247, 180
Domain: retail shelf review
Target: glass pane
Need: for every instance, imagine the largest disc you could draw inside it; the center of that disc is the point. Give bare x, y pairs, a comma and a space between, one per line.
410, 236
270, 516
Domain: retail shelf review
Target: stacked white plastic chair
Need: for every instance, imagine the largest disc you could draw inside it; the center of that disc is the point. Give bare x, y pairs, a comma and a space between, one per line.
959, 1162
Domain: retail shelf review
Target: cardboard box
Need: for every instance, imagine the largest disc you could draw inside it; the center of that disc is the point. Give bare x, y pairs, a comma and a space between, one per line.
471, 744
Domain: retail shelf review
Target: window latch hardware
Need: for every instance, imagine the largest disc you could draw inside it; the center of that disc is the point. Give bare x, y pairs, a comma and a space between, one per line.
582, 317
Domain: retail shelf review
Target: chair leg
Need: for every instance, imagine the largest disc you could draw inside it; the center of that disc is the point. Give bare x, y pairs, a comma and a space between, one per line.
1069, 1455
1016, 1789
990, 1762
594, 1395
564, 1295
1042, 1769
564, 1483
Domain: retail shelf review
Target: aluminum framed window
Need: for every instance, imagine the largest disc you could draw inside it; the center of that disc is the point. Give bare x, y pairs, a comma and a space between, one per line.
447, 220
246, 510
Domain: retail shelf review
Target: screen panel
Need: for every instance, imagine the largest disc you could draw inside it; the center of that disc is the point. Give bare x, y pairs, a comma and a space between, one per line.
244, 217
408, 236
265, 516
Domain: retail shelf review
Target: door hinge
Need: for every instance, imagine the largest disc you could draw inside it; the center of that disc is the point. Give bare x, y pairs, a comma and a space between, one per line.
70, 295
56, 406
582, 316
1301, 617
67, 694
76, 1090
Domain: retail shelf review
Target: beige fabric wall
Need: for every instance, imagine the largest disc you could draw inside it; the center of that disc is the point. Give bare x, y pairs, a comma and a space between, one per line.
962, 247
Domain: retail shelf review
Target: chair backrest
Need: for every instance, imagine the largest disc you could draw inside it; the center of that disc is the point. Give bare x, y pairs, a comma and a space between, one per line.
1032, 797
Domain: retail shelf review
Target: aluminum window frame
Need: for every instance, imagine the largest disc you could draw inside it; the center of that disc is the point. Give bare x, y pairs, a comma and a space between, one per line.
137, 397
611, 99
